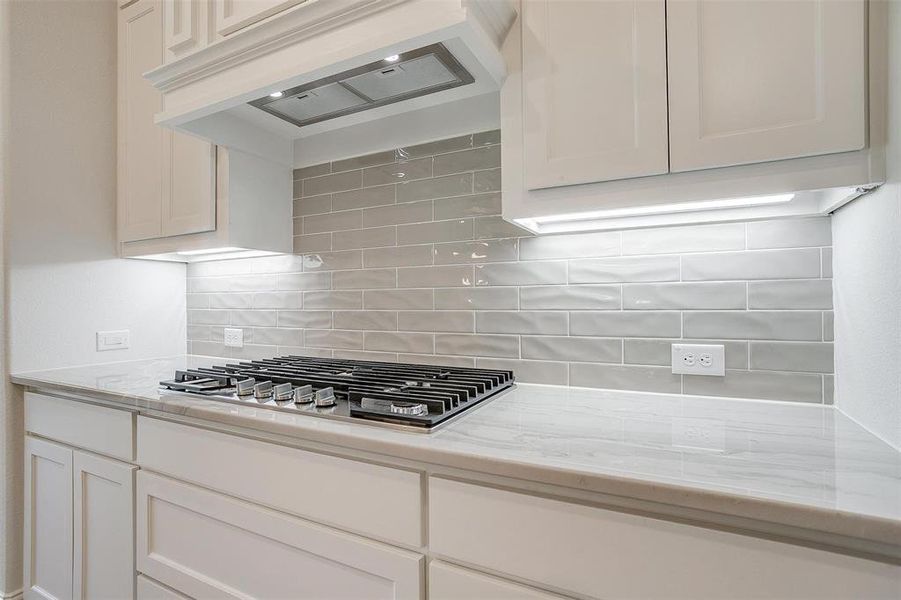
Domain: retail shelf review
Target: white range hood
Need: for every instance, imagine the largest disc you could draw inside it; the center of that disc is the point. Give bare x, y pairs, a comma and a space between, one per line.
318, 68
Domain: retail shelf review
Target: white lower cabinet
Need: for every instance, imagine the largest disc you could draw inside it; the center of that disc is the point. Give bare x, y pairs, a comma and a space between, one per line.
447, 582
78, 524
207, 545
148, 589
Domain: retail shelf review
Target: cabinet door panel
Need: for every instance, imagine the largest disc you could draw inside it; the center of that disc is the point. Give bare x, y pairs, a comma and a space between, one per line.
184, 27
48, 520
140, 140
189, 203
447, 582
754, 81
593, 111
210, 545
232, 15
103, 528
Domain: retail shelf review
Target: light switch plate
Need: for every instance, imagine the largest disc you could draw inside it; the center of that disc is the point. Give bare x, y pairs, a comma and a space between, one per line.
113, 340
699, 359
234, 338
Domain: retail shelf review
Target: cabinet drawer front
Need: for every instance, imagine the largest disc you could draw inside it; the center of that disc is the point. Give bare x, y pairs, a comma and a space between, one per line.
447, 582
607, 554
374, 500
104, 430
148, 589
210, 545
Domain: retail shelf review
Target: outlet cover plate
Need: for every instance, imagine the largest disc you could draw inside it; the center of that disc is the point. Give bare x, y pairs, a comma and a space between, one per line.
234, 338
119, 339
699, 359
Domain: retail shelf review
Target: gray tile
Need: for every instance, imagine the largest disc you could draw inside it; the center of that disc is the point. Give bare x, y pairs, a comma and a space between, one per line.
800, 293
477, 298
576, 245
439, 147
198, 301
254, 318
529, 371
403, 256
459, 184
625, 324
436, 231
406, 170
501, 346
399, 342
317, 242
828, 326
828, 389
213, 268
207, 317
365, 355
764, 385
522, 322
573, 349
624, 270
496, 227
252, 283
399, 299
297, 228
826, 262
365, 279
673, 240
815, 357
334, 221
486, 181
571, 297
373, 237
333, 300
367, 160
279, 263
331, 261
234, 300
659, 352
379, 195
333, 338
198, 285
304, 281
753, 325
790, 233
476, 252
488, 157
521, 273
278, 336
450, 321
338, 182
314, 205
686, 296
200, 333
435, 277
754, 264
486, 138
478, 205
305, 319
277, 300
366, 319
623, 377
396, 214
312, 171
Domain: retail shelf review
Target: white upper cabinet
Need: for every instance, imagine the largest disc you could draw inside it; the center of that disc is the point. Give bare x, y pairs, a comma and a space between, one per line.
232, 15
185, 27
594, 98
753, 81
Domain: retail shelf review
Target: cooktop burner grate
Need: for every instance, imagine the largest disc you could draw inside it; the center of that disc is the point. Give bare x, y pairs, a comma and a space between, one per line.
417, 395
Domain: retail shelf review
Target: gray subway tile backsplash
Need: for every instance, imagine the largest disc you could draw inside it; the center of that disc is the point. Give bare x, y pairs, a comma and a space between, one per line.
402, 256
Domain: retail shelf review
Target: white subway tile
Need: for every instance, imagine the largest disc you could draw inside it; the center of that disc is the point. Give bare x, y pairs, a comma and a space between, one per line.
672, 240
754, 264
790, 233
574, 245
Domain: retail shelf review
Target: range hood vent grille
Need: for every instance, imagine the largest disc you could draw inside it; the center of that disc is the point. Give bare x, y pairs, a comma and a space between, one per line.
394, 79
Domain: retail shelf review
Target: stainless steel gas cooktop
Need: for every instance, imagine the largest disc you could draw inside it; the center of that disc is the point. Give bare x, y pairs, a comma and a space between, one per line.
416, 396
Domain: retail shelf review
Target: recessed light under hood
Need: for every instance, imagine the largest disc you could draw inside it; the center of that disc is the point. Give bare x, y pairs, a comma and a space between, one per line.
394, 79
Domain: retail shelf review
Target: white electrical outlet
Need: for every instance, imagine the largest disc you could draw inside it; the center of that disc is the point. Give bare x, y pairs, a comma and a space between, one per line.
234, 338
113, 340
699, 359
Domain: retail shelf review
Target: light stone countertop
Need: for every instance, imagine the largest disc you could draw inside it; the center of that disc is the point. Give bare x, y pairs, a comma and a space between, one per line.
799, 471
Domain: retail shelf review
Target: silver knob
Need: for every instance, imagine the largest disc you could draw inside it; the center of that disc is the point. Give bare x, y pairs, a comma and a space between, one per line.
262, 391
325, 397
283, 391
303, 394
409, 409
245, 386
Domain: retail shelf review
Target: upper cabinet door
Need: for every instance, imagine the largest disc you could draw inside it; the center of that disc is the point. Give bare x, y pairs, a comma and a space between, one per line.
232, 15
753, 81
140, 140
594, 97
184, 27
189, 204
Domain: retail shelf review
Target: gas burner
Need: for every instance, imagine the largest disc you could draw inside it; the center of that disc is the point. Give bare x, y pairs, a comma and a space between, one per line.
419, 396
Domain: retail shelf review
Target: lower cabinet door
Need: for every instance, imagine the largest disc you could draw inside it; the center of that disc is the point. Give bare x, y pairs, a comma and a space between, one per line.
205, 544
48, 520
447, 582
103, 527
148, 589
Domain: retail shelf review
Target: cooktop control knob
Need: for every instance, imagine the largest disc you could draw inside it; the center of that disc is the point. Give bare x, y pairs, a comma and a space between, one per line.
244, 387
409, 409
263, 391
325, 397
303, 394
283, 392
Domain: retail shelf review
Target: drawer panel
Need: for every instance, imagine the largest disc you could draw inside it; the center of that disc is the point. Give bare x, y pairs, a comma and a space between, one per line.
371, 499
610, 555
212, 546
447, 582
98, 428
148, 589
